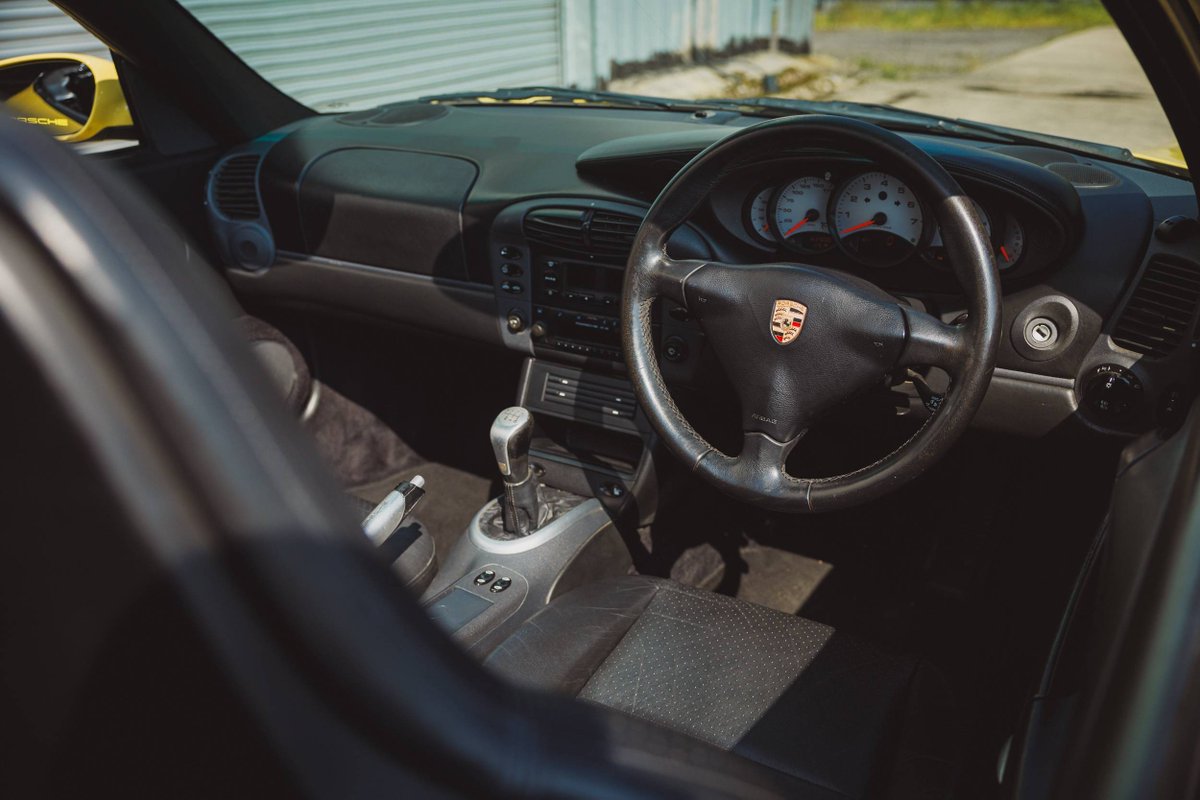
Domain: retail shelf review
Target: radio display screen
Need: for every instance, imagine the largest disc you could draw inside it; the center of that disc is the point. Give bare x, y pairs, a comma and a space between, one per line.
590, 277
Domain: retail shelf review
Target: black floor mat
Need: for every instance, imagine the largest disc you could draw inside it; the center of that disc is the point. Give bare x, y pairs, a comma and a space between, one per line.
779, 579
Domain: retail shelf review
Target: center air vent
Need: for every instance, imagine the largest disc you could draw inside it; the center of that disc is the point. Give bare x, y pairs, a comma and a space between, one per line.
1159, 315
235, 188
589, 396
587, 231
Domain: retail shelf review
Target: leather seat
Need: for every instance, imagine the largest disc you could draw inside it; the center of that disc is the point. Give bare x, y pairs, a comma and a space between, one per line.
795, 695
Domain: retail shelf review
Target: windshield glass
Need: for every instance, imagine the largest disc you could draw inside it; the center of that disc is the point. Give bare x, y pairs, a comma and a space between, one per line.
1049, 66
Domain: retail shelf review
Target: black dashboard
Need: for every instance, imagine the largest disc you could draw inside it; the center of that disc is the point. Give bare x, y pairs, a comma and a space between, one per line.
511, 226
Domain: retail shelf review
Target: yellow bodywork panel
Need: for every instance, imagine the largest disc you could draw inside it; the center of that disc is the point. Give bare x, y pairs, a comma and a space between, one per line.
109, 109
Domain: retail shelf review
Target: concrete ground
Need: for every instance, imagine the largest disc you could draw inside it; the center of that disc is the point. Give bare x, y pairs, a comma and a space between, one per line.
926, 53
1083, 85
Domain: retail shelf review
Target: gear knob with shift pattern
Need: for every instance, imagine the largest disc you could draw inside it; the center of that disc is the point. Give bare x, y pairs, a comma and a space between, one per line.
511, 435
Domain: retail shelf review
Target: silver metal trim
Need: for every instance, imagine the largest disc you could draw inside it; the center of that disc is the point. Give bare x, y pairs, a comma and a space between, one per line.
588, 513
1030, 377
314, 400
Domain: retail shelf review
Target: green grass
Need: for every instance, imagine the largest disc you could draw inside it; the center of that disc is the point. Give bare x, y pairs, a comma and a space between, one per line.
886, 69
947, 14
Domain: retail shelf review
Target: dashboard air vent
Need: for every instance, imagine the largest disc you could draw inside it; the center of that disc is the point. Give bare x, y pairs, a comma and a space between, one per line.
585, 231
560, 227
235, 187
1158, 315
613, 233
589, 396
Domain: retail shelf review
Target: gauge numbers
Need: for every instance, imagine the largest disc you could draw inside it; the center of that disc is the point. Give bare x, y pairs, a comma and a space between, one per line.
801, 214
1012, 244
877, 219
758, 216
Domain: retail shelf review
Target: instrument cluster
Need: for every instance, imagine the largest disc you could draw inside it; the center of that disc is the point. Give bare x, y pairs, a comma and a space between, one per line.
865, 214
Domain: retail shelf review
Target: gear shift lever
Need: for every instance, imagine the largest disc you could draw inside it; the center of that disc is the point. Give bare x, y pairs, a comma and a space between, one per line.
511, 434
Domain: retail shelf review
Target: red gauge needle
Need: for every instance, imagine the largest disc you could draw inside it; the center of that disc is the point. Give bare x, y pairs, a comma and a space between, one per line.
859, 226
809, 217
878, 219
1004, 252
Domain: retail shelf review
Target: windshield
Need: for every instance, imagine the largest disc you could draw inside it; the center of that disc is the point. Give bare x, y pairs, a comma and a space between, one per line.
1055, 67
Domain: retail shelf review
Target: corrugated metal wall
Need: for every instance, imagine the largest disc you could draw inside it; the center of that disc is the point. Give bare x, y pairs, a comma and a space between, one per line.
338, 55
33, 26
335, 54
627, 33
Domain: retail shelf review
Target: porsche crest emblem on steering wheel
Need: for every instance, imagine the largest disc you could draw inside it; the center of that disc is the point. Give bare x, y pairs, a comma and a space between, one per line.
787, 320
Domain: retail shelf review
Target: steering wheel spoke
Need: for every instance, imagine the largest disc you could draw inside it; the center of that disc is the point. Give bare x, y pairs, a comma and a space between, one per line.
670, 276
760, 464
933, 343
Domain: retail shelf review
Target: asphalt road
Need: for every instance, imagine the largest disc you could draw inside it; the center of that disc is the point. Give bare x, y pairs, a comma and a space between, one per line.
1084, 85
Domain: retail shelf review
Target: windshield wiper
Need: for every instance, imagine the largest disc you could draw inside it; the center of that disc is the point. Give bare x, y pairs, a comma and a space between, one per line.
557, 95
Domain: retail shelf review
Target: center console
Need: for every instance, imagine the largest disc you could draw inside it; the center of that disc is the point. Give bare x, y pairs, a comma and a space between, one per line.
576, 453
521, 550
558, 267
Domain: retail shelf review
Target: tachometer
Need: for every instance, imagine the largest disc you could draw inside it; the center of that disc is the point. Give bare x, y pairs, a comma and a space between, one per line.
877, 219
936, 251
758, 217
800, 215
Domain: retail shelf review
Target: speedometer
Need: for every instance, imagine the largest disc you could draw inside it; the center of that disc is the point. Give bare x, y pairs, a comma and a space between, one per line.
800, 215
877, 219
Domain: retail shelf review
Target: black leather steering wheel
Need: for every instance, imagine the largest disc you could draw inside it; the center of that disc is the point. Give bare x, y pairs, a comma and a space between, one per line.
851, 334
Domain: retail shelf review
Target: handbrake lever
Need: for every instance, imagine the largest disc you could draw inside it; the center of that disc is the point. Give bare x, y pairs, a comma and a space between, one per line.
389, 515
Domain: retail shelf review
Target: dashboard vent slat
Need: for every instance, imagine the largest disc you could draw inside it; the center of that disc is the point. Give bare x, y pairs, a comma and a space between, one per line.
584, 232
1159, 314
235, 188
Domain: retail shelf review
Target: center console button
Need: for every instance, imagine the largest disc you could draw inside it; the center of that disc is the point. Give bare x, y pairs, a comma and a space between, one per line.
511, 270
487, 576
508, 251
501, 585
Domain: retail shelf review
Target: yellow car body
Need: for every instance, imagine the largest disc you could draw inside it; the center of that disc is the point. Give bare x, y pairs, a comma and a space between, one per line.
109, 109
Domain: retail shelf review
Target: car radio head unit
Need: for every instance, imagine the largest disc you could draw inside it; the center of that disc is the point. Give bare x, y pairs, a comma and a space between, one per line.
577, 284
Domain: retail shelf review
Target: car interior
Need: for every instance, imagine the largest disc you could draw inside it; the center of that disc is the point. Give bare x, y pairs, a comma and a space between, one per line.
576, 449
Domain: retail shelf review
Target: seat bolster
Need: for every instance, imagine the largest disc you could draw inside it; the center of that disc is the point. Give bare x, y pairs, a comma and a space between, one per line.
561, 647
838, 724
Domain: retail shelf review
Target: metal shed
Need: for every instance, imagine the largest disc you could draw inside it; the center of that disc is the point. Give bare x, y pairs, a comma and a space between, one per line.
338, 55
